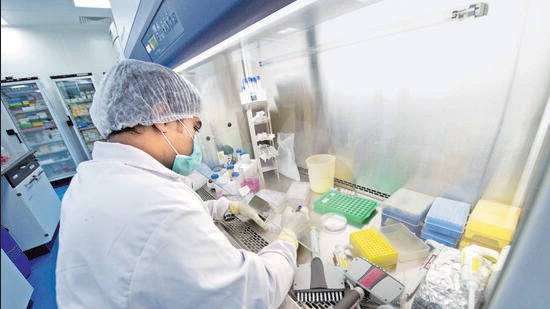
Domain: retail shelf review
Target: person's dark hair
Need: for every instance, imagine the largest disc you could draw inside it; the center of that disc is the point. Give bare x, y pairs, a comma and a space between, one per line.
132, 129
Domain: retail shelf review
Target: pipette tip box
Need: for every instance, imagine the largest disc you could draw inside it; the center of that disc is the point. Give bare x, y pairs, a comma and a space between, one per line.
357, 210
491, 224
374, 246
408, 207
445, 221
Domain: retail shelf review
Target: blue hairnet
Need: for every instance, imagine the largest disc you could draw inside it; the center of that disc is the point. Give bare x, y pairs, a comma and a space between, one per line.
136, 92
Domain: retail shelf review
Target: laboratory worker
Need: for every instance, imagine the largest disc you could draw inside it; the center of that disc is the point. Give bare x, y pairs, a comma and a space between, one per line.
133, 234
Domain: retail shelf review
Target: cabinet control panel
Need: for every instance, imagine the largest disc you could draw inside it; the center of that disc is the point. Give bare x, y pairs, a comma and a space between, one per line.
16, 174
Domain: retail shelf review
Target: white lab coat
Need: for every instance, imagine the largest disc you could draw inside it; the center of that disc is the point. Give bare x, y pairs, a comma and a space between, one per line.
133, 235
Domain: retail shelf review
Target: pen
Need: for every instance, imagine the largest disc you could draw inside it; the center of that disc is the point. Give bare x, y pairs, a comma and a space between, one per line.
298, 208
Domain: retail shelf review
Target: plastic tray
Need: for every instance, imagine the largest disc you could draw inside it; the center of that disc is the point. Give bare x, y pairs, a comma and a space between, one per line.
373, 246
390, 218
356, 209
448, 216
408, 245
407, 206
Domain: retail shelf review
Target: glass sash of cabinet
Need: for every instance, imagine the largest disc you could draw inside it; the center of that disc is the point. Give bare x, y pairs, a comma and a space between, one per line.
76, 91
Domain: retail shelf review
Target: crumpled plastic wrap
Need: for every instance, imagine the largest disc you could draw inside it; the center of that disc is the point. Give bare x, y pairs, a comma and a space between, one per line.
443, 287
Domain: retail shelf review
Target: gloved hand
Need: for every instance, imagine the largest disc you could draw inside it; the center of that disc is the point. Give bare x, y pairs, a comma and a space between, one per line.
292, 224
243, 209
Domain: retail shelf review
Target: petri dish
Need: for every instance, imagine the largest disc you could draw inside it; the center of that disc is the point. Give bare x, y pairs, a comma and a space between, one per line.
333, 222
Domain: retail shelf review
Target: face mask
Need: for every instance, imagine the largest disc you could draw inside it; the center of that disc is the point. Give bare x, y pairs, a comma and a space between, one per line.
183, 164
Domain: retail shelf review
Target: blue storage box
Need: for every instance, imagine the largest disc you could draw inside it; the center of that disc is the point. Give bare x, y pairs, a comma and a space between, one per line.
428, 233
442, 231
447, 217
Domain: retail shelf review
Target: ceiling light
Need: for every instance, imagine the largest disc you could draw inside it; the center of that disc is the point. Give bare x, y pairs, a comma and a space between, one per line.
103, 4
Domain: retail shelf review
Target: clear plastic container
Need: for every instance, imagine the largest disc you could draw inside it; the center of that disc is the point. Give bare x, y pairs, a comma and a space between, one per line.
249, 173
407, 244
298, 193
321, 172
333, 222
391, 217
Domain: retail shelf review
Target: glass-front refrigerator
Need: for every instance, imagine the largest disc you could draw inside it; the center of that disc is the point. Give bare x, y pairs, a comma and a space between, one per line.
36, 125
77, 93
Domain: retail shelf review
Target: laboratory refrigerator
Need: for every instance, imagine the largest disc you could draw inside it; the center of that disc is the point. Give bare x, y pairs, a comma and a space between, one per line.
76, 91
36, 124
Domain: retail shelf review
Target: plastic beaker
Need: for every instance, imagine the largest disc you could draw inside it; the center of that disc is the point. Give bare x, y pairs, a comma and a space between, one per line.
321, 172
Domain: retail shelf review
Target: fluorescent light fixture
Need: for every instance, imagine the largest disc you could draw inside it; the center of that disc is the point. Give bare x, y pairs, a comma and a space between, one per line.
102, 4
4, 22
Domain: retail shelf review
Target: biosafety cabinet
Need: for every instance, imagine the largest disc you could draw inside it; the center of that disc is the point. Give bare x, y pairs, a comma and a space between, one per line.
448, 98
76, 91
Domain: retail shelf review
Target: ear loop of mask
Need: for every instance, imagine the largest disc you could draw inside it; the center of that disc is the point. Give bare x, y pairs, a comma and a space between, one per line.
168, 141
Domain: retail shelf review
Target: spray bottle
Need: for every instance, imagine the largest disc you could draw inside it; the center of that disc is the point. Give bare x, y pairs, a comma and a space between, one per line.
471, 262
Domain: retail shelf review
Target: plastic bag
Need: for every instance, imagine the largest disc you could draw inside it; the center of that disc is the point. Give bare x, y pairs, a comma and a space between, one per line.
286, 159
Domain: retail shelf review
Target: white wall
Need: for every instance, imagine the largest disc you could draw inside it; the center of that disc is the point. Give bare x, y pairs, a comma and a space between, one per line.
48, 51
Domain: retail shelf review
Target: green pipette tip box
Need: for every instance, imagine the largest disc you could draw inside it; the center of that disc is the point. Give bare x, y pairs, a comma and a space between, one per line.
358, 210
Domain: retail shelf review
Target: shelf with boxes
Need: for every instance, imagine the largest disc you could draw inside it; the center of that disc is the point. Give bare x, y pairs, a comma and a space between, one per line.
35, 123
77, 92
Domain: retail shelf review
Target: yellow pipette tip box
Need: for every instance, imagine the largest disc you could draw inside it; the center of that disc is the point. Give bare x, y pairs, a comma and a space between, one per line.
372, 245
494, 219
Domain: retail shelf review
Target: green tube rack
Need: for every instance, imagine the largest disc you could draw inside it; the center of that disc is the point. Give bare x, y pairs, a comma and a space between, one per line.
358, 210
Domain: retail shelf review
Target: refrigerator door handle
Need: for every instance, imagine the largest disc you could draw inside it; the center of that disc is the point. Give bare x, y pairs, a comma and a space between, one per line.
11, 132
69, 122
